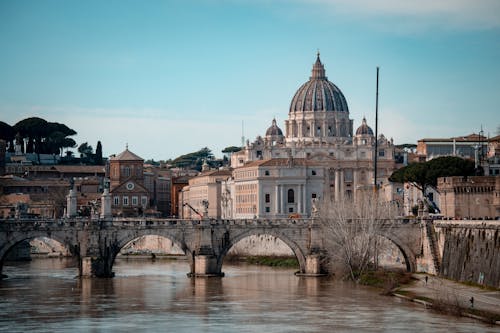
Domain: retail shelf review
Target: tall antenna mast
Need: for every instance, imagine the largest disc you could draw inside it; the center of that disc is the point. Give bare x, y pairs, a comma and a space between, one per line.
375, 185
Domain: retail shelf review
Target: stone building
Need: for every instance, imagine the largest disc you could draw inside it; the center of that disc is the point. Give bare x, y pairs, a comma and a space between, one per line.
158, 181
276, 187
474, 197
129, 195
462, 146
203, 195
318, 138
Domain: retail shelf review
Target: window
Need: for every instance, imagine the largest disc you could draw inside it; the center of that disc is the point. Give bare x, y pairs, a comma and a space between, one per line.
381, 153
259, 153
290, 209
266, 173
291, 196
144, 201
126, 171
116, 200
313, 172
125, 201
318, 131
313, 195
268, 209
135, 201
268, 198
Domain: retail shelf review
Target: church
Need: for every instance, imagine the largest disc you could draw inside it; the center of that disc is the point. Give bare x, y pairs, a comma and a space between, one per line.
318, 156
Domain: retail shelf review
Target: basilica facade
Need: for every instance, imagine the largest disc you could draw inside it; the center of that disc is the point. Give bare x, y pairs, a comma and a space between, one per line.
318, 157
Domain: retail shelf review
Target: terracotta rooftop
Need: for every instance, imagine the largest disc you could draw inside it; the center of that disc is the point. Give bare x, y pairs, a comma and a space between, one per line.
126, 155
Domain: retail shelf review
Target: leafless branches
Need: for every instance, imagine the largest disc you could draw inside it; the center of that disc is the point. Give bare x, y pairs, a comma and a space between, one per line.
352, 229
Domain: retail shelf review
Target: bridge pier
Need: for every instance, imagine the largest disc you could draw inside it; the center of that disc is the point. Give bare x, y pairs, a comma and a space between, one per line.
205, 262
205, 266
96, 267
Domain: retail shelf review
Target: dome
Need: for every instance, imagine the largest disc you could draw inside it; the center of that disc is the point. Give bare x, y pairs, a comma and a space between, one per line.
274, 130
364, 129
318, 94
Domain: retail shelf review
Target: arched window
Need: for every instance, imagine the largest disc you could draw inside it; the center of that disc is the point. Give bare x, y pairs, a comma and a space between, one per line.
291, 196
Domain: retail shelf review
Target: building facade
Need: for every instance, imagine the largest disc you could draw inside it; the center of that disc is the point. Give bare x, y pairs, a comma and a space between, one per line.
476, 197
319, 156
129, 195
202, 197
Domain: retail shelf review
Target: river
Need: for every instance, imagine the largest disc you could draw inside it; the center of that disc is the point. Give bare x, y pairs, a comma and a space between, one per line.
44, 295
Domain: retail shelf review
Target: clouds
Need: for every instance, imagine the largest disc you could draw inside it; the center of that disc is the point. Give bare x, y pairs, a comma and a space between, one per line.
422, 14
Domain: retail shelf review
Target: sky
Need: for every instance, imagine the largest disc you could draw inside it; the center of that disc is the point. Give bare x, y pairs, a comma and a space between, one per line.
171, 77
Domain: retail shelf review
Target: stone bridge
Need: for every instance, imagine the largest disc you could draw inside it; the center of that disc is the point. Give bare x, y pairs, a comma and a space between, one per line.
96, 243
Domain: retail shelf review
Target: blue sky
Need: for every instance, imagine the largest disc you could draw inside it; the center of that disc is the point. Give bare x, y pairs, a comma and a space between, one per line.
171, 77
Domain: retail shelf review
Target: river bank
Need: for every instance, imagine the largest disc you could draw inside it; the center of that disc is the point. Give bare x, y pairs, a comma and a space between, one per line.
453, 298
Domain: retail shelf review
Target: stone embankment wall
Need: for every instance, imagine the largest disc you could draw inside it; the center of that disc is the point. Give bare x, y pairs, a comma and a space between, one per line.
470, 251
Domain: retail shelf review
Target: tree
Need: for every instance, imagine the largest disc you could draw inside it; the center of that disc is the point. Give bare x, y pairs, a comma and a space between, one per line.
352, 230
193, 160
98, 153
7, 133
32, 128
427, 173
231, 149
85, 149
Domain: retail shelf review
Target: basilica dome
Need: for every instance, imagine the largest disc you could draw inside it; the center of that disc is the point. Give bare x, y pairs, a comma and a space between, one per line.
274, 130
318, 94
364, 129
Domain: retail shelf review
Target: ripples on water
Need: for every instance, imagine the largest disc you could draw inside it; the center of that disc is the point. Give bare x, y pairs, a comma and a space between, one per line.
44, 296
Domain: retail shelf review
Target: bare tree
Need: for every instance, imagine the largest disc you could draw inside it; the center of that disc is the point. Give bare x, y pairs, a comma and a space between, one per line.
352, 229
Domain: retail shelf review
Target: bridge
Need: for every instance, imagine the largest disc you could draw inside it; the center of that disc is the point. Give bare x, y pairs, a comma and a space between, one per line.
97, 242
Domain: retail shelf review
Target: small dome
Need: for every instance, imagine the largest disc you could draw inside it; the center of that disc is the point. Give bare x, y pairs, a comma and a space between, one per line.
274, 130
318, 94
364, 129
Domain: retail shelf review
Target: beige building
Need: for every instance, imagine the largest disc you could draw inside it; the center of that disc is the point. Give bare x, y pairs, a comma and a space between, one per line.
470, 197
203, 195
319, 134
462, 146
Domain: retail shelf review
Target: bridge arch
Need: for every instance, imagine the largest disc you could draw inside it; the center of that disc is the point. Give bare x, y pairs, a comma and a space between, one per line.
19, 237
408, 254
130, 237
296, 249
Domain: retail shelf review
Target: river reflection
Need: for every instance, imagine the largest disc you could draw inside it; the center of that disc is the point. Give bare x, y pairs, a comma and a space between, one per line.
44, 296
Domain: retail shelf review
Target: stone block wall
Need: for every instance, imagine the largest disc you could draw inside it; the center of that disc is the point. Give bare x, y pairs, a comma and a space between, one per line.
471, 251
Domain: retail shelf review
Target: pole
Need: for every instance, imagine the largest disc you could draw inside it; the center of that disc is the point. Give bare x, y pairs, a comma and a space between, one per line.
375, 185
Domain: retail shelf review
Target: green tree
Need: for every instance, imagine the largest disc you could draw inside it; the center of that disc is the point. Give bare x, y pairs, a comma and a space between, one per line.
426, 173
32, 128
98, 153
193, 160
85, 149
7, 133
231, 149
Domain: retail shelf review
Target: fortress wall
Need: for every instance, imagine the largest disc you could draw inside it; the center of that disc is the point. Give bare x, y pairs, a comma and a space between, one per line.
471, 251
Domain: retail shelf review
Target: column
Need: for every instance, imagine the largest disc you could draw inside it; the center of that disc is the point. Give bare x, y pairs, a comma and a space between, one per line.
282, 199
337, 184
342, 189
71, 209
300, 199
277, 199
106, 204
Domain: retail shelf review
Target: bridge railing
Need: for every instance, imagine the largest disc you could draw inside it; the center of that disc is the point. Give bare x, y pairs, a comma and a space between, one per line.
82, 222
